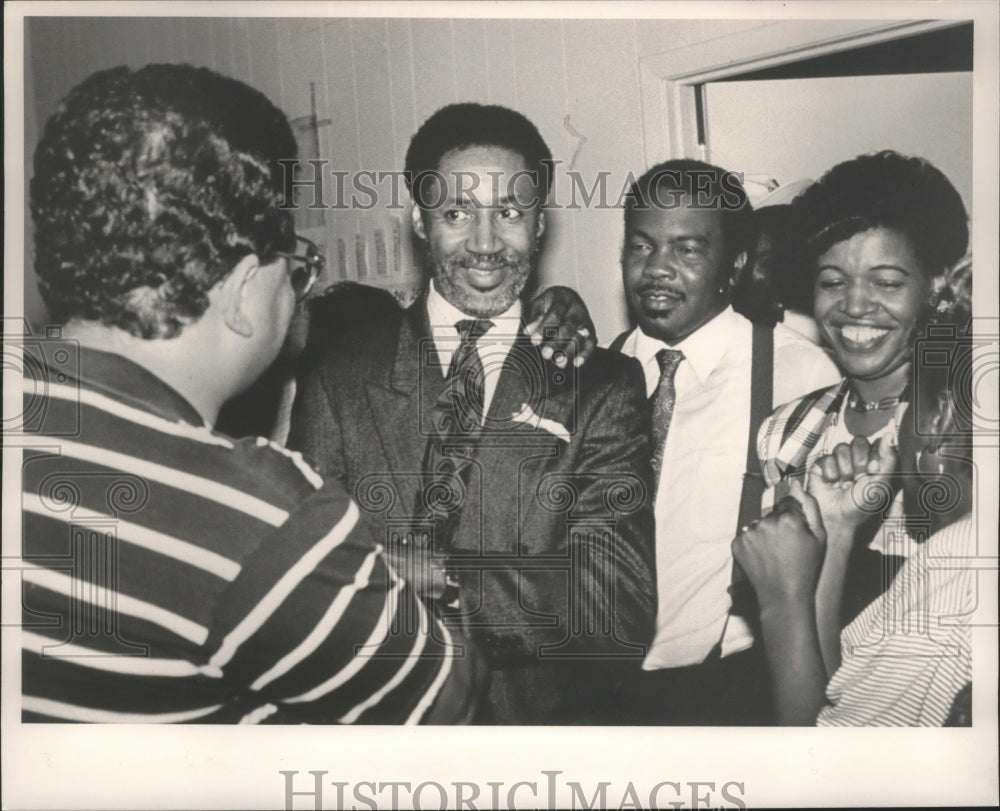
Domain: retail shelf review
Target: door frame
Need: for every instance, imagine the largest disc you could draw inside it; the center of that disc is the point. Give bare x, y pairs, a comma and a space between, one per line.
669, 80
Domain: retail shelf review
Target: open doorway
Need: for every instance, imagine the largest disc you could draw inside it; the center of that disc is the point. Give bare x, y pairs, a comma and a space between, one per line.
794, 121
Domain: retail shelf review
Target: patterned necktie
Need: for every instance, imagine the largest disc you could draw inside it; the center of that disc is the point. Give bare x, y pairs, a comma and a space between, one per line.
466, 382
663, 403
458, 416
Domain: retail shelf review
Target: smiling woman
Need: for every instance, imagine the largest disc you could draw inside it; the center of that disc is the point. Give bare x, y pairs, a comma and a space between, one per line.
881, 230
870, 291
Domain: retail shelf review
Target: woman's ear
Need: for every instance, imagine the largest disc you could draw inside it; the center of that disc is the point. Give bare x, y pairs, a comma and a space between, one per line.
236, 293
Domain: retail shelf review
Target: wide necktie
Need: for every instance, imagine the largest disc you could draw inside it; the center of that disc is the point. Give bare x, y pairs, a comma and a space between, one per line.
466, 381
663, 403
457, 419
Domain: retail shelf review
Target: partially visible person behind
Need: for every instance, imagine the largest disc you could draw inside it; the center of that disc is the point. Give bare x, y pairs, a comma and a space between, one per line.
757, 294
192, 577
776, 286
906, 659
344, 306
881, 231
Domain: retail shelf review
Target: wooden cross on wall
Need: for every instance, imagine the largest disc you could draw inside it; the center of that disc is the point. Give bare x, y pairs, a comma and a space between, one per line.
306, 130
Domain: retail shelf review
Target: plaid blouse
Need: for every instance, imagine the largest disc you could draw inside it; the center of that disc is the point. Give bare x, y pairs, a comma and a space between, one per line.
789, 440
792, 439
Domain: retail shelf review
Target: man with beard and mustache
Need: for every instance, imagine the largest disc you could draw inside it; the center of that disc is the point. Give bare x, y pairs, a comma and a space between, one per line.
687, 234
468, 452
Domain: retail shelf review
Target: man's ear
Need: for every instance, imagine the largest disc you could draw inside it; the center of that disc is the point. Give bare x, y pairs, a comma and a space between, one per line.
416, 216
540, 225
739, 263
236, 292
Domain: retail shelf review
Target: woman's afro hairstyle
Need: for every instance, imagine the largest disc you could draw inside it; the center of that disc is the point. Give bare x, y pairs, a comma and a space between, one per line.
886, 190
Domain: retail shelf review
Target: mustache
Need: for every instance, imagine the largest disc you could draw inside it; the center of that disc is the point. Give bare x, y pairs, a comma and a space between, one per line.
492, 262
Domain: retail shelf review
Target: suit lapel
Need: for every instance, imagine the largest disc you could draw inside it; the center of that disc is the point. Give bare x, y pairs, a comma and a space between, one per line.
402, 398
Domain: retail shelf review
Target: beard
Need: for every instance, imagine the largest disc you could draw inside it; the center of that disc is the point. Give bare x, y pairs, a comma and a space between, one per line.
450, 277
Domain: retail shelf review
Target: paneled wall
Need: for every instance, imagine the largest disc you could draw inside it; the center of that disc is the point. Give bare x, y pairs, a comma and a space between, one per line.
375, 80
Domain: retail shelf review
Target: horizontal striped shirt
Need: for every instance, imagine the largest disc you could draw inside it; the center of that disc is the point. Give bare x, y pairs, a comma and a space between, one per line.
906, 657
172, 574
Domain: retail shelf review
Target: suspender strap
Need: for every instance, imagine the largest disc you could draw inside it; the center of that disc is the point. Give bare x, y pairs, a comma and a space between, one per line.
761, 405
761, 397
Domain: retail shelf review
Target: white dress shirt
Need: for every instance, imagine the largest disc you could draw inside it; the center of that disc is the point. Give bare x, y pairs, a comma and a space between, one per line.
698, 497
493, 347
804, 325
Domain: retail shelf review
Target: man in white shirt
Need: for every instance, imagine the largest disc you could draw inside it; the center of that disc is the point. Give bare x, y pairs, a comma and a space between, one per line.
446, 419
687, 230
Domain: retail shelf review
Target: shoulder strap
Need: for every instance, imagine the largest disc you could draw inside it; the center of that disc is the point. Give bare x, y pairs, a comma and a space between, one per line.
761, 405
744, 602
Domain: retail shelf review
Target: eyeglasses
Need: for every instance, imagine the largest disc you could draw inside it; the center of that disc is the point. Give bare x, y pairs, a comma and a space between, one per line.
304, 267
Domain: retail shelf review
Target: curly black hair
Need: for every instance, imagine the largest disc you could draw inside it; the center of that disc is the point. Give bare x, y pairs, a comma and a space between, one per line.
886, 190
710, 186
148, 187
458, 126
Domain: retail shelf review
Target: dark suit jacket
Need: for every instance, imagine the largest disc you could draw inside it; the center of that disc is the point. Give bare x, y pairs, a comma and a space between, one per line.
554, 545
617, 344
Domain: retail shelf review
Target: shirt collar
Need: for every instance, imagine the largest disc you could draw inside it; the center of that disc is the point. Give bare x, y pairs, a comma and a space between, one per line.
443, 315
703, 348
131, 384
